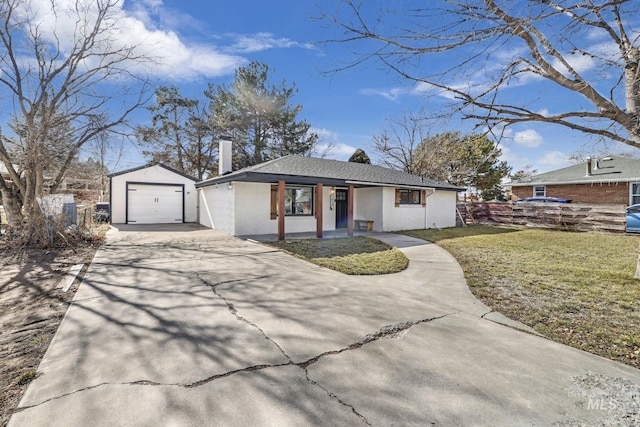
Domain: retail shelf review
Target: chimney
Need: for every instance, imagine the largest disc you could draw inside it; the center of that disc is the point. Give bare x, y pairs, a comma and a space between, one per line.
224, 157
588, 166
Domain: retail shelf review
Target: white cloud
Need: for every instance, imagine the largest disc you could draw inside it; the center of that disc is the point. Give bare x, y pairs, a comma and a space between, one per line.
515, 161
597, 34
148, 26
337, 151
328, 145
172, 57
152, 3
507, 155
341, 150
553, 160
325, 135
392, 94
419, 89
262, 41
579, 62
528, 138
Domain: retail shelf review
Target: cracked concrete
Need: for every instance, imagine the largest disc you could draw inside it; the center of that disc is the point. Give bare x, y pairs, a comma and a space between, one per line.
233, 311
186, 326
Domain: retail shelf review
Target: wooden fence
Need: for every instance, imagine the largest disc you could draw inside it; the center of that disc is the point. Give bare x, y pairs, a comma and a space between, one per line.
563, 216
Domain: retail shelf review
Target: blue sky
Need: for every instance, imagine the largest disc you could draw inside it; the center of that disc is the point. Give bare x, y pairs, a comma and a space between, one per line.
204, 41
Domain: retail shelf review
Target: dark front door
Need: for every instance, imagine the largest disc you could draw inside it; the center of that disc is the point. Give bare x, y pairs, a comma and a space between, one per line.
342, 211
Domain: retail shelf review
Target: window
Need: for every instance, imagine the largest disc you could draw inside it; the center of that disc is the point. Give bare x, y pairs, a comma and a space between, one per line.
635, 194
540, 191
297, 201
408, 197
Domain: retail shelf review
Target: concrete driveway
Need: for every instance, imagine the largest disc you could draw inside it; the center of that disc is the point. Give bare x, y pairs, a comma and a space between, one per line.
185, 326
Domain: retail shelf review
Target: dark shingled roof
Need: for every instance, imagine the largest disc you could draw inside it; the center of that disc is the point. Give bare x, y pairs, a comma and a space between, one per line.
309, 170
618, 169
148, 165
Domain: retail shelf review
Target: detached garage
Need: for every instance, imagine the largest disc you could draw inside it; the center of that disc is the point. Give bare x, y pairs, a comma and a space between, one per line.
152, 194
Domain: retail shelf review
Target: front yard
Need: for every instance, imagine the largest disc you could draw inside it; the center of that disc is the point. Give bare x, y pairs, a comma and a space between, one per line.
31, 309
354, 255
574, 288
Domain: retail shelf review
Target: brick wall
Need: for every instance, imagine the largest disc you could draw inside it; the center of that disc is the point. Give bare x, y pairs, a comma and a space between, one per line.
607, 194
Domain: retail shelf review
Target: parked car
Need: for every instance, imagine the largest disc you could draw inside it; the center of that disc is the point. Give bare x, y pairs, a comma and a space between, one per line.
102, 213
633, 218
544, 200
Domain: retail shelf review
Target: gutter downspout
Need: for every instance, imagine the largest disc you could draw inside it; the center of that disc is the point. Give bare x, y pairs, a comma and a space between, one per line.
206, 207
426, 207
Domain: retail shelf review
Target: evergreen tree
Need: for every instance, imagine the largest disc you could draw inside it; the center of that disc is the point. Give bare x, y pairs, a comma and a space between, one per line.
180, 136
359, 156
259, 117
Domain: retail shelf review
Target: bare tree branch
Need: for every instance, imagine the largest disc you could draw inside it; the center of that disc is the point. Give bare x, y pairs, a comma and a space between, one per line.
458, 48
63, 66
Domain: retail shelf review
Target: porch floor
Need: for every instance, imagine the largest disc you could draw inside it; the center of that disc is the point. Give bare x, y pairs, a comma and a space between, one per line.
332, 234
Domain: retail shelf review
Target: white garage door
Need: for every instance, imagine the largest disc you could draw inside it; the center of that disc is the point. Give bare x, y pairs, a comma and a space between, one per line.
154, 203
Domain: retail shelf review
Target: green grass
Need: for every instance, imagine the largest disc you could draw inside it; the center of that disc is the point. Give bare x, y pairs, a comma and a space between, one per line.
353, 255
575, 288
27, 377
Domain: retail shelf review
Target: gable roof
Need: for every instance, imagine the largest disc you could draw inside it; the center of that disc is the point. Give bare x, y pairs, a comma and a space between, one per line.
148, 165
614, 169
310, 170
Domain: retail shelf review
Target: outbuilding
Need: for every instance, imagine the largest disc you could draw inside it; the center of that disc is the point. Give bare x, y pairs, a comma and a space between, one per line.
152, 194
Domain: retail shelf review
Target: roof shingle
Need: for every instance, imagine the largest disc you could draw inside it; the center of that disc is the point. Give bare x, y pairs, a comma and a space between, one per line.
300, 167
615, 169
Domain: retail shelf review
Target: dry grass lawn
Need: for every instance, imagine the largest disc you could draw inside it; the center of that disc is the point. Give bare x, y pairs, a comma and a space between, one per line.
352, 255
575, 288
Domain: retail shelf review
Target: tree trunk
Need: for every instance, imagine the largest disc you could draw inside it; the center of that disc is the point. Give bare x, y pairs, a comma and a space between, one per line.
11, 204
29, 198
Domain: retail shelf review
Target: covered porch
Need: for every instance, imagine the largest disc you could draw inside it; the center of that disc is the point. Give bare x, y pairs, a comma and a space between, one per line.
329, 234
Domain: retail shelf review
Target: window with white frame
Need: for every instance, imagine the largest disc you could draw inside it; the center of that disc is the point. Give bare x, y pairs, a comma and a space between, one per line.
635, 193
539, 191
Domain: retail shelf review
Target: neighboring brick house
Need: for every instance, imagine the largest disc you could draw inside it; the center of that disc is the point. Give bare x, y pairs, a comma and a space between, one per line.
609, 180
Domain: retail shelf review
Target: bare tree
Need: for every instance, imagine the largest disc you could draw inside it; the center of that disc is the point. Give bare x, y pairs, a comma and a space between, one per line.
62, 65
474, 51
107, 150
465, 160
397, 144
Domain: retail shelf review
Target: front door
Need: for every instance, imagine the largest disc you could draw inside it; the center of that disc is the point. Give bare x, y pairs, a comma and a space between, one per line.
342, 209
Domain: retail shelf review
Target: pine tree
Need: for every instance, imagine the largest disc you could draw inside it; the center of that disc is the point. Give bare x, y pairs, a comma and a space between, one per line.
359, 156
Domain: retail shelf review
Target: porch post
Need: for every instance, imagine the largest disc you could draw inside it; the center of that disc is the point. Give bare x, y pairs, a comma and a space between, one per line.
281, 214
350, 211
319, 210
